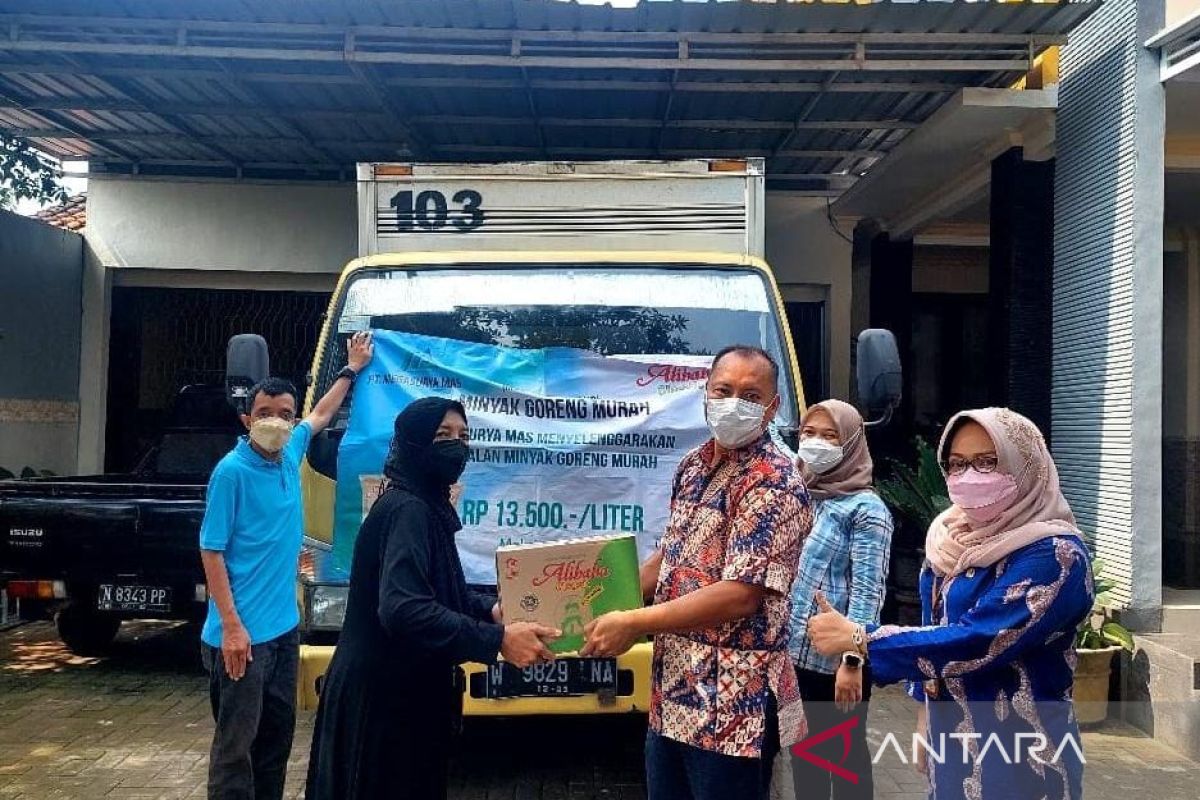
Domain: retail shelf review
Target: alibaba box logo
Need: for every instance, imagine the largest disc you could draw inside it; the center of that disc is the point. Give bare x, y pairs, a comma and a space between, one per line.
842, 729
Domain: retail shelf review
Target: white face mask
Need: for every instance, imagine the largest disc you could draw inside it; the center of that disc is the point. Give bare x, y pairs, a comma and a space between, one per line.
819, 455
271, 433
734, 422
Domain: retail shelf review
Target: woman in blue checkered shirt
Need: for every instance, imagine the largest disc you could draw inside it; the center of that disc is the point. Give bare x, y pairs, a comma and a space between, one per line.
846, 558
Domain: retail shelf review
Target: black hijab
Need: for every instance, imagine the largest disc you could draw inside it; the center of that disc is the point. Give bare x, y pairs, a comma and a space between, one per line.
412, 441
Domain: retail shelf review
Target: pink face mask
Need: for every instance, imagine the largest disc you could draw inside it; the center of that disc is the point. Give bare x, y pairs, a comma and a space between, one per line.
982, 497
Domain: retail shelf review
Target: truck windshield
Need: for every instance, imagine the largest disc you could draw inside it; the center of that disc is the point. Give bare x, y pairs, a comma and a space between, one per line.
623, 311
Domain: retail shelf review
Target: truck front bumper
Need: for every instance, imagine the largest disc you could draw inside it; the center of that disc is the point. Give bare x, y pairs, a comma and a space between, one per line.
314, 661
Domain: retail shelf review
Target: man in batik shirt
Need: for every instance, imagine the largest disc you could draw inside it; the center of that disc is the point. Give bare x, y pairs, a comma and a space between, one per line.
724, 695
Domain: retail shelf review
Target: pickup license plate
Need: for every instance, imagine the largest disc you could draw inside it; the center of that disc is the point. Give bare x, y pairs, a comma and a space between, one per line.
115, 597
563, 677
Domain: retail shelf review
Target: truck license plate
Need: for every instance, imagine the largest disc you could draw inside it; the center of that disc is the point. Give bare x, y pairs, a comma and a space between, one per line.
114, 597
563, 677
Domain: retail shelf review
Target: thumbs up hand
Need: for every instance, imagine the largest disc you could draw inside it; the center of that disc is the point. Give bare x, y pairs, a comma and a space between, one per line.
823, 604
830, 632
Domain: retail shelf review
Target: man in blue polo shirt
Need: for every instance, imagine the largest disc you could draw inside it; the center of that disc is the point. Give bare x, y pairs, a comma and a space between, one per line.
250, 546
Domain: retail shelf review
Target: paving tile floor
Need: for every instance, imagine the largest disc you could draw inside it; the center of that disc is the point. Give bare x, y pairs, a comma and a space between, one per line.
136, 725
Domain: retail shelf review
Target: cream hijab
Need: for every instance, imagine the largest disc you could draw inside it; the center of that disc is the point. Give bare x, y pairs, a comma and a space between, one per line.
1038, 512
854, 473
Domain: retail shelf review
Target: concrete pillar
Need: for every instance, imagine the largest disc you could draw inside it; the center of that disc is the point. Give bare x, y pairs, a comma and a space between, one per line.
93, 366
860, 292
891, 308
1108, 297
1021, 273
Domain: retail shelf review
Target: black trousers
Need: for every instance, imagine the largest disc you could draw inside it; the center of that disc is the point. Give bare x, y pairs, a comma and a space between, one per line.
811, 781
255, 721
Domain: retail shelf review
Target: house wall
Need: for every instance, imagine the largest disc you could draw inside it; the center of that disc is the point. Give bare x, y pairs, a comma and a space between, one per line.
806, 252
39, 344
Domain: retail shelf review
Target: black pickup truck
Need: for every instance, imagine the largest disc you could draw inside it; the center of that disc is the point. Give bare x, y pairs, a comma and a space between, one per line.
94, 550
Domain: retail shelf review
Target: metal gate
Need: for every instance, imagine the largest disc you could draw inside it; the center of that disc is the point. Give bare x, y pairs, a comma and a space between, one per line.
165, 339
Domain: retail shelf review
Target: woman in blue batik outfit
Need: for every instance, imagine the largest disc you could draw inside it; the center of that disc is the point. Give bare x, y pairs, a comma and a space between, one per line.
1006, 583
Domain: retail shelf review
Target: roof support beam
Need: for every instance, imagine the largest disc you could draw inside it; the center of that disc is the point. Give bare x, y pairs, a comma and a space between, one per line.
834, 185
233, 141
733, 87
200, 73
101, 167
537, 83
91, 104
500, 149
264, 29
94, 104
353, 58
701, 124
100, 104
451, 119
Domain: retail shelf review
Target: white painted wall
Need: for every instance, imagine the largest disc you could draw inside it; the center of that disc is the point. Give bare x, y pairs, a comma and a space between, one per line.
45, 445
1179, 10
950, 270
298, 228
805, 250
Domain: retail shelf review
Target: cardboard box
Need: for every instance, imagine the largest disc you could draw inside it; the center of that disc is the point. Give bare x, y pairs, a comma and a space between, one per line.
567, 584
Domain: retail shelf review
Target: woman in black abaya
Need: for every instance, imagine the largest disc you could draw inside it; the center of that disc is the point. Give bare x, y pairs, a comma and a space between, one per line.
390, 701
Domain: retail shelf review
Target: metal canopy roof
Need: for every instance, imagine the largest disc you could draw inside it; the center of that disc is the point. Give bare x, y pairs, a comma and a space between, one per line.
305, 88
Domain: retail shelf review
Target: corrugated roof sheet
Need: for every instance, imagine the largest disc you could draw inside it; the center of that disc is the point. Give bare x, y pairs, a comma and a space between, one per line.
280, 89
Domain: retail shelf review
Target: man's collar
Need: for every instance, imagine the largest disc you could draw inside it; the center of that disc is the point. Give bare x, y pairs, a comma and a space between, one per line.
738, 456
252, 456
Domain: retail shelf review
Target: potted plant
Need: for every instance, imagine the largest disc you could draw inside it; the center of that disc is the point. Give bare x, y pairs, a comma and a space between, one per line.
916, 495
1097, 640
26, 474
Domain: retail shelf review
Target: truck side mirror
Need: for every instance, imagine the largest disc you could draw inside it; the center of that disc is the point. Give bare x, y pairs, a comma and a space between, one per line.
880, 377
247, 361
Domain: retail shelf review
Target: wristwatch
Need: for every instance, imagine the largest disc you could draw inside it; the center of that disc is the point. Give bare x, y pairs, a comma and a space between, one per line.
852, 660
348, 373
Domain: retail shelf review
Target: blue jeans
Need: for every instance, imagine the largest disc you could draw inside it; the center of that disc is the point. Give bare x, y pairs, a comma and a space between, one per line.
678, 771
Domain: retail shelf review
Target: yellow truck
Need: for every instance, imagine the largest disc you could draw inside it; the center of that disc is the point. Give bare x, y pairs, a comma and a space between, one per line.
582, 299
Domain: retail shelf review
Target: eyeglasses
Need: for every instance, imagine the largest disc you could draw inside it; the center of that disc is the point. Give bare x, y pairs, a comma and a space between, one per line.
981, 464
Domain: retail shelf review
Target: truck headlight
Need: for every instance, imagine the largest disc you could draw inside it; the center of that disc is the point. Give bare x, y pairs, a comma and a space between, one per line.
327, 607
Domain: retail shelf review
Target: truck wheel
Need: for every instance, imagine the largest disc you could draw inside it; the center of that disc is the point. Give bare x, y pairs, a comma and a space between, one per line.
84, 631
